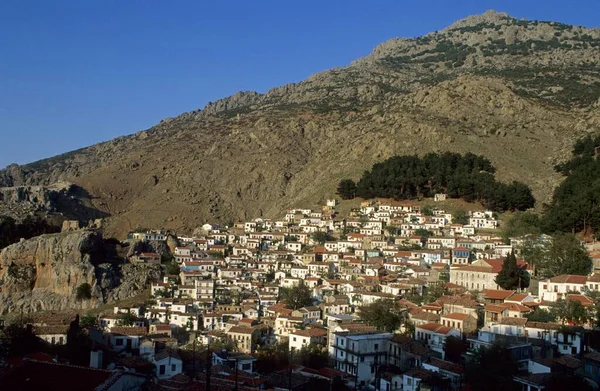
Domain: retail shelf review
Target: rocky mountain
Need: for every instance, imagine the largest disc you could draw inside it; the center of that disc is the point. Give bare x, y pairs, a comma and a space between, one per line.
43, 273
519, 92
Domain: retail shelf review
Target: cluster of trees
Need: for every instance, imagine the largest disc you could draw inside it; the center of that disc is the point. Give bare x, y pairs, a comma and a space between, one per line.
11, 231
469, 176
562, 253
575, 204
296, 297
565, 311
386, 315
494, 367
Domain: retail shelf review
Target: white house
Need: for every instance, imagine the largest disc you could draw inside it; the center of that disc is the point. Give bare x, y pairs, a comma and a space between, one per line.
168, 364
355, 353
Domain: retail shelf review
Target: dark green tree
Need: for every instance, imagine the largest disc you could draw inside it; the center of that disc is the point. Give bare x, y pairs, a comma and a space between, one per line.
572, 312
541, 315
84, 292
126, 319
454, 347
322, 237
386, 315
466, 176
566, 255
313, 356
492, 369
173, 268
575, 205
18, 339
511, 276
460, 216
296, 297
427, 210
347, 189
88, 321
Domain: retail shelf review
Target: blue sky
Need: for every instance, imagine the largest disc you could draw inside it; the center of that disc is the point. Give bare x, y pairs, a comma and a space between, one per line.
74, 73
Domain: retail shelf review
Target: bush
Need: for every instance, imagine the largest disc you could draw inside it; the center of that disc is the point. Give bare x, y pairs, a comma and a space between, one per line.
84, 291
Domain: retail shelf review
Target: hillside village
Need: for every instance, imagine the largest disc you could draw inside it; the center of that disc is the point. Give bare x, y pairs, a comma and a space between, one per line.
234, 296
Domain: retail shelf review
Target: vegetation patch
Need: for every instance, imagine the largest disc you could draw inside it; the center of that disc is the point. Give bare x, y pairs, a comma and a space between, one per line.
468, 176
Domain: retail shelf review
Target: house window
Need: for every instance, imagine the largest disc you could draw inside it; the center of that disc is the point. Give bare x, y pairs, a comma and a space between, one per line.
173, 367
119, 342
161, 370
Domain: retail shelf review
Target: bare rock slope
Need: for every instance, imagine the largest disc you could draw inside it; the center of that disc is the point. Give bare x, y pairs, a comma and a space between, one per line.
519, 92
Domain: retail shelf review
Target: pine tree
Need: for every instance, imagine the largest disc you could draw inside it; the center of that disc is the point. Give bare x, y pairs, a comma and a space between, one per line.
511, 276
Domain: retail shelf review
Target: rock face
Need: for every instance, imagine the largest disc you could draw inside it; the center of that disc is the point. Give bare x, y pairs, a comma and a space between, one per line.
43, 273
59, 201
518, 92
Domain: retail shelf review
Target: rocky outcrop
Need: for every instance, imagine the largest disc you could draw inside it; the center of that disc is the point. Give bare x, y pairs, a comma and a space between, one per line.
43, 273
126, 280
58, 202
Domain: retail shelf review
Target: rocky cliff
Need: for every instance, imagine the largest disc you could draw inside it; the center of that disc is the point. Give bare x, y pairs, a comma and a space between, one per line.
519, 92
43, 273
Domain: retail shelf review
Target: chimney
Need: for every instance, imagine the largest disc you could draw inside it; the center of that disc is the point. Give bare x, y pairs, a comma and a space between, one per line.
96, 358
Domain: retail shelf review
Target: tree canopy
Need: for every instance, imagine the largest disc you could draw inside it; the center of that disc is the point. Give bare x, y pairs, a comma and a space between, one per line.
469, 176
511, 276
321, 237
562, 254
347, 189
492, 369
385, 315
575, 204
296, 297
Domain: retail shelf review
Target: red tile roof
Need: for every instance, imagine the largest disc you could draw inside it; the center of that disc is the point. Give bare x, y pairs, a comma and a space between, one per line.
456, 316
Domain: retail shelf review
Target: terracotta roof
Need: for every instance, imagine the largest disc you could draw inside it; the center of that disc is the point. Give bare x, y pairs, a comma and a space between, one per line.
456, 316
125, 330
513, 321
569, 279
584, 300
495, 308
543, 325
241, 330
447, 365
49, 330
427, 316
496, 294
436, 328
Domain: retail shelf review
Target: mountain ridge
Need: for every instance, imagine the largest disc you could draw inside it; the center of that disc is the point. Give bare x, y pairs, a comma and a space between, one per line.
518, 92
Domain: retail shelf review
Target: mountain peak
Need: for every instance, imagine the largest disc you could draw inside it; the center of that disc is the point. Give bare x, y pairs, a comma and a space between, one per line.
489, 16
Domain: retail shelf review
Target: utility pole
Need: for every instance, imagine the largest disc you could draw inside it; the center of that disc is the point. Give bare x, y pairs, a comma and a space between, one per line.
208, 365
194, 358
290, 370
236, 375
